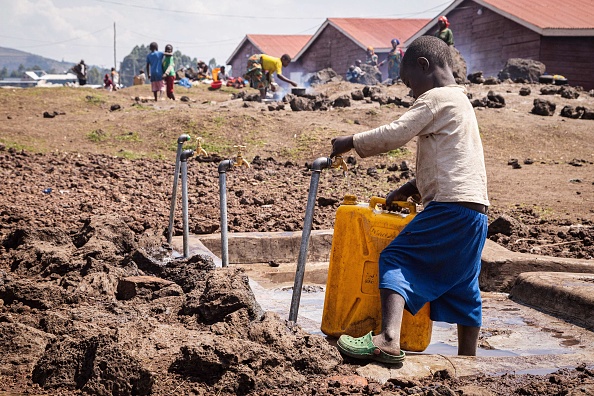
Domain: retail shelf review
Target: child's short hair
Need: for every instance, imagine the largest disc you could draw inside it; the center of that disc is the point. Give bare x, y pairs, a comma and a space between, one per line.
434, 49
286, 57
154, 46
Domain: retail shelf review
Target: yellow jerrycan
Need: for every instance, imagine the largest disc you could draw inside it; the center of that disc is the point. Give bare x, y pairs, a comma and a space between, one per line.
352, 302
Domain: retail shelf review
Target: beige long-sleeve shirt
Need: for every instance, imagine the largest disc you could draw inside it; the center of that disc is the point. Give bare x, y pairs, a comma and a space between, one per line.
450, 160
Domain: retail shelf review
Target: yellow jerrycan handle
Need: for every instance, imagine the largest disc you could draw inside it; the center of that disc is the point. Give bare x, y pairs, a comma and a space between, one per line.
374, 201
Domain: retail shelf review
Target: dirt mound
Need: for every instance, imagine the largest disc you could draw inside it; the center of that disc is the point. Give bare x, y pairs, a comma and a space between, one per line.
95, 365
123, 317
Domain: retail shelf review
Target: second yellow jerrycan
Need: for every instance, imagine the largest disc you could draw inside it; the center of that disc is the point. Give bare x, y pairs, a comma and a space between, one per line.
352, 303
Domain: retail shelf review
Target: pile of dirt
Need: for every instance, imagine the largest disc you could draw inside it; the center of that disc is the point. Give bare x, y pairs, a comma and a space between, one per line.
93, 309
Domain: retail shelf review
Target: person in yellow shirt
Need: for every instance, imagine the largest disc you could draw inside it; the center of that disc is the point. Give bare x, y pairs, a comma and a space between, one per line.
261, 67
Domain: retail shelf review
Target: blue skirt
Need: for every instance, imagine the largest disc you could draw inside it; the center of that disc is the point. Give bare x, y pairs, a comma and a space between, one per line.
437, 259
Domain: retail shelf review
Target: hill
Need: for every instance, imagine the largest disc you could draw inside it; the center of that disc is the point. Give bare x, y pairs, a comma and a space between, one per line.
11, 59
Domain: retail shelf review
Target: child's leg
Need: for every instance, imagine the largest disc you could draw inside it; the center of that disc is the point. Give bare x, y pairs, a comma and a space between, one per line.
467, 340
392, 308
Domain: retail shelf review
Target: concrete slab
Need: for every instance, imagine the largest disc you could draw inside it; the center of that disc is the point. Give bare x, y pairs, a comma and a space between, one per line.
501, 267
262, 247
566, 295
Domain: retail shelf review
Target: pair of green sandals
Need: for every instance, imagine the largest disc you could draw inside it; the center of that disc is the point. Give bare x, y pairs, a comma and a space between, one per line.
363, 348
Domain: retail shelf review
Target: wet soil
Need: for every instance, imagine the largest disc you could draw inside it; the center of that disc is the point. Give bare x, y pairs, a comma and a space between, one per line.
92, 302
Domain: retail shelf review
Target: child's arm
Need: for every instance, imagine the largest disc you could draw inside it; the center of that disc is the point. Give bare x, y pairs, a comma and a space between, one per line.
407, 190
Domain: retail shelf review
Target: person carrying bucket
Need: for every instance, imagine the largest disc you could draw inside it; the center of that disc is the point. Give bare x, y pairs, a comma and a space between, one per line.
436, 258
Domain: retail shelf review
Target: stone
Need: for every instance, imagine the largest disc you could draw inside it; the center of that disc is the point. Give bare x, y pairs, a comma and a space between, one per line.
506, 225
568, 92
342, 101
525, 91
492, 81
141, 286
549, 90
301, 104
496, 100
476, 77
324, 76
570, 112
543, 107
370, 90
528, 70
459, 65
357, 95
371, 75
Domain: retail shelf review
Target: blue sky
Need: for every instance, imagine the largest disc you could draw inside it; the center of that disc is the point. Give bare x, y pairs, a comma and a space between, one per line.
71, 30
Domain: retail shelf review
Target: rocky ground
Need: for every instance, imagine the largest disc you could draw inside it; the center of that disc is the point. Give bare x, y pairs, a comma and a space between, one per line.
89, 305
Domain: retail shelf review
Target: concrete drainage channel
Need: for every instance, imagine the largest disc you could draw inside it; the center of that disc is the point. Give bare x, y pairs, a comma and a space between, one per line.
519, 335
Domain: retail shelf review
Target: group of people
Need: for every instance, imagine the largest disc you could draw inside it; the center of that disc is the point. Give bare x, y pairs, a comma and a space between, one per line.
394, 57
160, 70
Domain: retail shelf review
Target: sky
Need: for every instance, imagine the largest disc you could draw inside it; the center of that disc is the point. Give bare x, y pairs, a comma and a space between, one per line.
71, 30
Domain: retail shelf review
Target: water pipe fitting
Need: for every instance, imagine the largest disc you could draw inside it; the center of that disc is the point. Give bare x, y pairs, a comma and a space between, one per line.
199, 149
183, 138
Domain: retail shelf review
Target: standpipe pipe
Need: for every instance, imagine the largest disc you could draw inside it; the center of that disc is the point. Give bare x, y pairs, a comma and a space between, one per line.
184, 174
317, 166
224, 166
180, 142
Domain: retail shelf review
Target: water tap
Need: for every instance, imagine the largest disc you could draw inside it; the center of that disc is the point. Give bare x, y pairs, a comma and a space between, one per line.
199, 149
239, 160
338, 162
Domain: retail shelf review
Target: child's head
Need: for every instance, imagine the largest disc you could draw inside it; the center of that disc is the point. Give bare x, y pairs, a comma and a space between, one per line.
427, 64
168, 50
286, 60
352, 67
223, 69
358, 62
370, 50
154, 47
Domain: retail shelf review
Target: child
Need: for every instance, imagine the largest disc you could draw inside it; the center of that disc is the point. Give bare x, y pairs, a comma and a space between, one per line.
261, 67
107, 83
437, 257
169, 73
154, 69
115, 78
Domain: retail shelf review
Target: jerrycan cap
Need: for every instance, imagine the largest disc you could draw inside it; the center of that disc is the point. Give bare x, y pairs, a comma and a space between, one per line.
349, 199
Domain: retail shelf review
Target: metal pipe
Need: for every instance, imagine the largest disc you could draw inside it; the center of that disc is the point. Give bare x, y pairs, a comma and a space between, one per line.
180, 142
184, 173
224, 166
317, 166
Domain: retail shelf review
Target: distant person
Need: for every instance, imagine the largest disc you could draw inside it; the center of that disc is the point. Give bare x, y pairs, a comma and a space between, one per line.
80, 69
154, 69
394, 59
354, 73
140, 79
203, 72
222, 76
261, 67
169, 73
115, 78
372, 58
443, 32
107, 82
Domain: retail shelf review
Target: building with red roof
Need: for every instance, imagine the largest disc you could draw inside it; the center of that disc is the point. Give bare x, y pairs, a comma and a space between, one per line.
269, 44
489, 32
339, 42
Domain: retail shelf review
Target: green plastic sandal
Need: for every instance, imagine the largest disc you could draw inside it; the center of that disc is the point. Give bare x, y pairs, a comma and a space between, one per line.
363, 348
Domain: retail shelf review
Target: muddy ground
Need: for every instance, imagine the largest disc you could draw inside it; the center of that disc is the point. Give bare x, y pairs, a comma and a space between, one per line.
89, 307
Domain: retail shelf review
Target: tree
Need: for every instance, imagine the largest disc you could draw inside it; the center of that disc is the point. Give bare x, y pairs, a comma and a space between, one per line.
212, 64
95, 76
4, 72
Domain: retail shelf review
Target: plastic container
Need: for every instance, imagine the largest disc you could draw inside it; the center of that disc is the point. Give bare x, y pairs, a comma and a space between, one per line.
352, 303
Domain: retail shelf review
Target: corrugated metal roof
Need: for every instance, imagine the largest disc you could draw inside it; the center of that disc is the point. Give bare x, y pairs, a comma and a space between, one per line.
278, 44
549, 14
378, 32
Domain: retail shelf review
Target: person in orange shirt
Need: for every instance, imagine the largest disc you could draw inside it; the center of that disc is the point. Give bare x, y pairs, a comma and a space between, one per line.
261, 67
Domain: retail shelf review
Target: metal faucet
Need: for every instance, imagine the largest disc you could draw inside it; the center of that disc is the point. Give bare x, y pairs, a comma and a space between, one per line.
239, 160
199, 149
338, 162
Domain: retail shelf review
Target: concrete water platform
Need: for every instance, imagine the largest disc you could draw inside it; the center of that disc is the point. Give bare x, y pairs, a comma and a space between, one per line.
514, 338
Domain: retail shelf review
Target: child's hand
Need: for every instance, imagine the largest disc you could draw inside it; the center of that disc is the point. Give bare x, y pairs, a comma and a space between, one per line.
341, 145
395, 195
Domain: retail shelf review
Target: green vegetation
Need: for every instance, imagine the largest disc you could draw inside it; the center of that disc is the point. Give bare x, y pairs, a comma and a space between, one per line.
96, 100
218, 148
398, 153
16, 146
129, 137
97, 136
129, 155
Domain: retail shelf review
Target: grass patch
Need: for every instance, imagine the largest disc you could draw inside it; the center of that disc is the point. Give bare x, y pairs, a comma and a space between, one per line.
129, 137
215, 147
398, 153
15, 145
128, 155
97, 136
96, 100
219, 121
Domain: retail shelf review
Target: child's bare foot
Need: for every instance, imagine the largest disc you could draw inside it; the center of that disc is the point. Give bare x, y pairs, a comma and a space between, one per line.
391, 347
